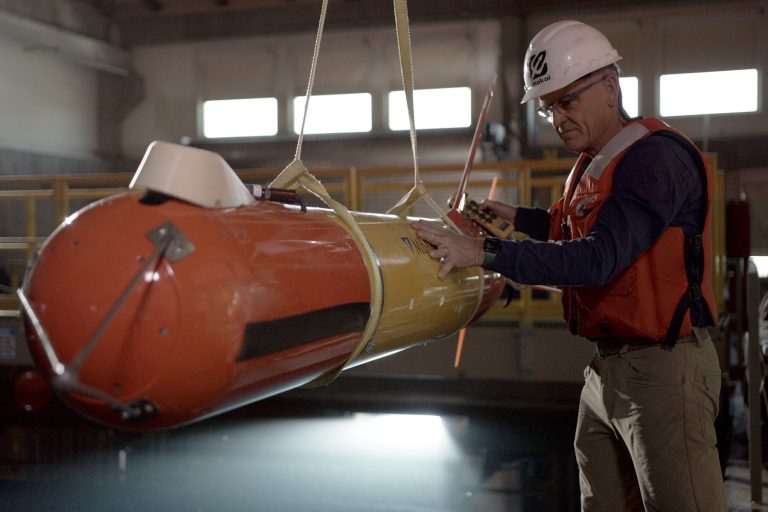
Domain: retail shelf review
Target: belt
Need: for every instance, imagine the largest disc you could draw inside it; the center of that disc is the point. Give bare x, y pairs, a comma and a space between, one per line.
613, 346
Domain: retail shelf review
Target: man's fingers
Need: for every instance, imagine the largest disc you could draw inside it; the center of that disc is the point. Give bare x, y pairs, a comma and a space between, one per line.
445, 269
436, 236
431, 237
440, 253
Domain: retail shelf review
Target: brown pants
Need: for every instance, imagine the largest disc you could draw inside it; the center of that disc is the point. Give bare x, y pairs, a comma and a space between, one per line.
645, 437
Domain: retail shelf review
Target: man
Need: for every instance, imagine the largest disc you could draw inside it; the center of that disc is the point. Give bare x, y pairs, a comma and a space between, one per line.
629, 243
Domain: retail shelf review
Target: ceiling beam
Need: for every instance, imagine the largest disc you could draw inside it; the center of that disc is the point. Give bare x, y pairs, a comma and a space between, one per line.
180, 20
71, 46
132, 9
154, 5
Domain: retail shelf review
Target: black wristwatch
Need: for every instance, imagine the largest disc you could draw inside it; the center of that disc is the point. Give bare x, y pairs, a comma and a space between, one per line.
491, 247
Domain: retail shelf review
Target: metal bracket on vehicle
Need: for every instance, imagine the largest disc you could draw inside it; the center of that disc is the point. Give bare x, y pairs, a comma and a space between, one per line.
138, 410
178, 245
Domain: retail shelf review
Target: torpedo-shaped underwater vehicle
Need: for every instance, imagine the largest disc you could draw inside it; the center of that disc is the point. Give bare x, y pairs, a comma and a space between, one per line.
188, 296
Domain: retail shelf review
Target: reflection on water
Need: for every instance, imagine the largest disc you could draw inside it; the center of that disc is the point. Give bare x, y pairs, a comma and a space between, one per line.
318, 460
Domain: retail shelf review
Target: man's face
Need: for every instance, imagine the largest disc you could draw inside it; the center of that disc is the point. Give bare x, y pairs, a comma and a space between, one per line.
576, 114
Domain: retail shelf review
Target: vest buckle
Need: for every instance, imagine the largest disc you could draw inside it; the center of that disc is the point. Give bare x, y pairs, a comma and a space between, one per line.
694, 292
696, 241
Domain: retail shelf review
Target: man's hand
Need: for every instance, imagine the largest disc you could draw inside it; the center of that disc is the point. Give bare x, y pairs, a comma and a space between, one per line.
452, 249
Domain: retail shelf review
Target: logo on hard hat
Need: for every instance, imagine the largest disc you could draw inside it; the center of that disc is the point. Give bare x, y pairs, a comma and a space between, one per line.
537, 66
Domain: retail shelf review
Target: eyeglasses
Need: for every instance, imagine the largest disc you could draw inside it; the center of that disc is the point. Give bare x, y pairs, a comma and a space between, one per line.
564, 104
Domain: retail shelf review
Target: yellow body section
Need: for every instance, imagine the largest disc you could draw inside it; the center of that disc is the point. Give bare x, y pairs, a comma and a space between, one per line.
417, 306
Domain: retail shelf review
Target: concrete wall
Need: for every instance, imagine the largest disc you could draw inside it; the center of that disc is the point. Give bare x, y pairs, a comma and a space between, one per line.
48, 119
179, 77
713, 36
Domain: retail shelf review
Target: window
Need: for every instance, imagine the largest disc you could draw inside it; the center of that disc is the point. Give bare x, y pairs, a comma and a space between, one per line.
334, 113
717, 92
433, 108
240, 118
761, 262
630, 95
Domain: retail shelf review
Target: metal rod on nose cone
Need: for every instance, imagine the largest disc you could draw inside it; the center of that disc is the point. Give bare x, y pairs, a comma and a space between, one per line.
53, 360
171, 244
88, 348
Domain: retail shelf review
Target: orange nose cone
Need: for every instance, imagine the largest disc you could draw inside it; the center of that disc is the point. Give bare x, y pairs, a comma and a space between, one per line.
155, 333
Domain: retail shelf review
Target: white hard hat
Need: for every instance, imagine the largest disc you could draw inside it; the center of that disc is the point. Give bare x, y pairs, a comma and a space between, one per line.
561, 53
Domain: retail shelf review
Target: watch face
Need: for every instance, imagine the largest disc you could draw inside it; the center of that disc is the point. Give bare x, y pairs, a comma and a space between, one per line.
492, 245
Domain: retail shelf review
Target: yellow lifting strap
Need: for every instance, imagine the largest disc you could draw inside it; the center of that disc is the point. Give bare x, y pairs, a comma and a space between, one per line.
406, 71
296, 174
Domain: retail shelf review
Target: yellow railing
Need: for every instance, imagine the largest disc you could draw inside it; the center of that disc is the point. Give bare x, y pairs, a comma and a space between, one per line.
44, 202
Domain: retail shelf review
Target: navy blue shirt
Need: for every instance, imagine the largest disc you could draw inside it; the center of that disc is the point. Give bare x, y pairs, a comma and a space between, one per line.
655, 185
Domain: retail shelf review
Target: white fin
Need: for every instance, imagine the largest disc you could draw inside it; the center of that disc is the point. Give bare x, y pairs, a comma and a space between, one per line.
194, 175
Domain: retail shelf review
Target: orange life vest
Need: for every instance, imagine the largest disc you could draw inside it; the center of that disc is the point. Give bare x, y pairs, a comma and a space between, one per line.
651, 298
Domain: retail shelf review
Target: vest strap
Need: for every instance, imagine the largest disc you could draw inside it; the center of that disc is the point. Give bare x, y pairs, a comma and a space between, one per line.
693, 247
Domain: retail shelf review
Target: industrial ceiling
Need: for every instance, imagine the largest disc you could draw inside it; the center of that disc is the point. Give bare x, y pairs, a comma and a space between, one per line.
157, 21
